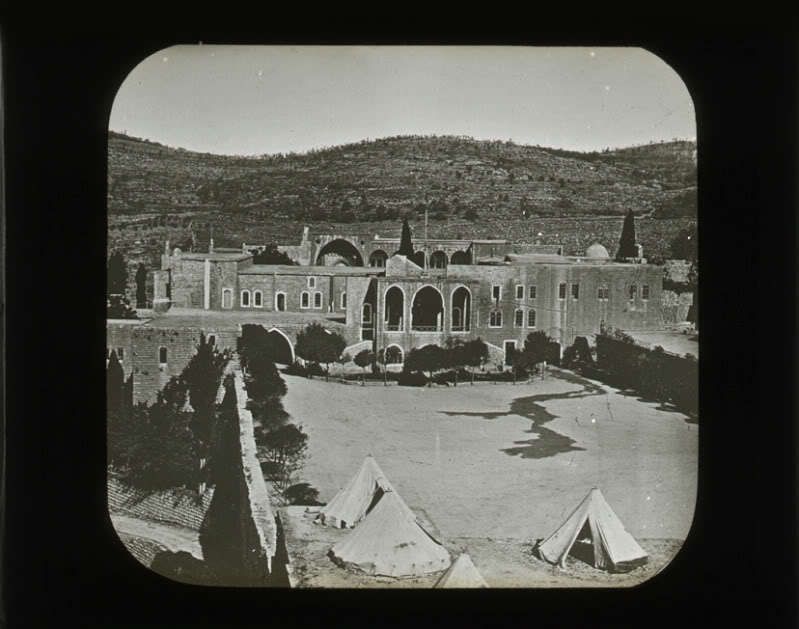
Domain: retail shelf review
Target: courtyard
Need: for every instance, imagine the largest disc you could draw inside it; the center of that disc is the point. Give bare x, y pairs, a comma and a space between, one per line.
506, 462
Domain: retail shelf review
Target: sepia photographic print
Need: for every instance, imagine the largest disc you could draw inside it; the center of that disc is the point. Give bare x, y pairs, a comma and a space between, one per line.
402, 317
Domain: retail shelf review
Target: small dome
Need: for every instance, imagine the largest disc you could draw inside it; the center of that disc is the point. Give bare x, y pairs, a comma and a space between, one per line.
597, 251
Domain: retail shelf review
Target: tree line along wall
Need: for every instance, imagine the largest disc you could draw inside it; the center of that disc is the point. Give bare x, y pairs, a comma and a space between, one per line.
665, 376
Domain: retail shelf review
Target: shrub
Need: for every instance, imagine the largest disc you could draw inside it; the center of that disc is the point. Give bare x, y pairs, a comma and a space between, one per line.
411, 379
302, 494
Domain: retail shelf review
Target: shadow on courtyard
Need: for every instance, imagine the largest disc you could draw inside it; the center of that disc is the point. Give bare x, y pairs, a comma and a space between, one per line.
548, 442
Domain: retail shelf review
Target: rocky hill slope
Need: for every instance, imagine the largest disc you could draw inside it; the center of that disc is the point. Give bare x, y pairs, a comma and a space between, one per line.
383, 179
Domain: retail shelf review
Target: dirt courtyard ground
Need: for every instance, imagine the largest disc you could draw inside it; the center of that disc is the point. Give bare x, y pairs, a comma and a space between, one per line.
505, 461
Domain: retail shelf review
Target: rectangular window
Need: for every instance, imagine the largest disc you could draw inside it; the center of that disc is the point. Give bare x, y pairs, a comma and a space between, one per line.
531, 292
495, 319
562, 291
531, 318
602, 293
518, 319
162, 356
496, 292
311, 282
317, 300
120, 353
343, 300
645, 292
575, 291
633, 291
519, 292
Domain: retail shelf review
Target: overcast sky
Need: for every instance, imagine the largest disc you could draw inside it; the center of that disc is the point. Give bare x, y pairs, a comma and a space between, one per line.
253, 100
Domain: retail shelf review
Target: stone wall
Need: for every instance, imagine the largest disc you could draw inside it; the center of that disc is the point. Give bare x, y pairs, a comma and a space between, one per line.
674, 306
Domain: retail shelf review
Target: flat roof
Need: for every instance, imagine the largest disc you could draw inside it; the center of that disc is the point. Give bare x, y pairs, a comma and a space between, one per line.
215, 256
197, 318
288, 269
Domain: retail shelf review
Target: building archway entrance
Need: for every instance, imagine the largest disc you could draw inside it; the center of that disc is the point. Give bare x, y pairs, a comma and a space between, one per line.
461, 309
395, 309
339, 252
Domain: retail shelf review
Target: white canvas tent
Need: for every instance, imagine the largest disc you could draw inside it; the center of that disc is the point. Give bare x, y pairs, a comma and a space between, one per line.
461, 574
390, 542
614, 548
358, 497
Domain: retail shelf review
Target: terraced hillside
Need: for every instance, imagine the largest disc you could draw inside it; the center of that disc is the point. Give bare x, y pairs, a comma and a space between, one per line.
470, 187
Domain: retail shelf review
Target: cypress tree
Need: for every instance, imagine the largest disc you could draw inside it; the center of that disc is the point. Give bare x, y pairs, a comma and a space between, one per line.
117, 274
406, 246
627, 247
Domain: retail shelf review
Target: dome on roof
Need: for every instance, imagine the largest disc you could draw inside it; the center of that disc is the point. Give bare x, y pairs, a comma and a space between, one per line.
597, 251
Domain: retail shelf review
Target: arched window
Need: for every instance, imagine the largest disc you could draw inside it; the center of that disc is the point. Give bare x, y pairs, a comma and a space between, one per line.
366, 315
258, 299
245, 299
305, 299
280, 302
427, 310
531, 318
378, 258
518, 318
461, 309
317, 300
495, 319
227, 298
438, 260
311, 282
394, 308
162, 356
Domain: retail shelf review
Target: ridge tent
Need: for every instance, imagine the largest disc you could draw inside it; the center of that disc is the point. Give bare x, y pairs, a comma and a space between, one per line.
614, 548
461, 574
358, 497
390, 542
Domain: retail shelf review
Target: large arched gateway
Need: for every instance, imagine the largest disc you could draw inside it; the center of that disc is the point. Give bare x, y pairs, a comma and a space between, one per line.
427, 311
273, 343
337, 252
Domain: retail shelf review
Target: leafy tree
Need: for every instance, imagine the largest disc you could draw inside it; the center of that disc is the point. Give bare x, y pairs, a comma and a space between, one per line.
455, 354
475, 354
164, 455
318, 345
428, 359
117, 277
406, 245
282, 452
363, 359
202, 376
272, 255
536, 349
627, 248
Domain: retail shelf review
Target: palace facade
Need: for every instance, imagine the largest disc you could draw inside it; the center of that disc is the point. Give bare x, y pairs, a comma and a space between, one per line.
355, 284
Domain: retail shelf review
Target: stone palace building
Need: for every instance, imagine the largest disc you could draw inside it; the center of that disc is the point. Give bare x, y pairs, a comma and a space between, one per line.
358, 286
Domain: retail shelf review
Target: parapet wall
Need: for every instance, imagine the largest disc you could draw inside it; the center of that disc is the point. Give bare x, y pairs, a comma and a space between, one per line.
257, 495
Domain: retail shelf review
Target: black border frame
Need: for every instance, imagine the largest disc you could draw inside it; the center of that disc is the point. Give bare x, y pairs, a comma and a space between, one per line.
62, 563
